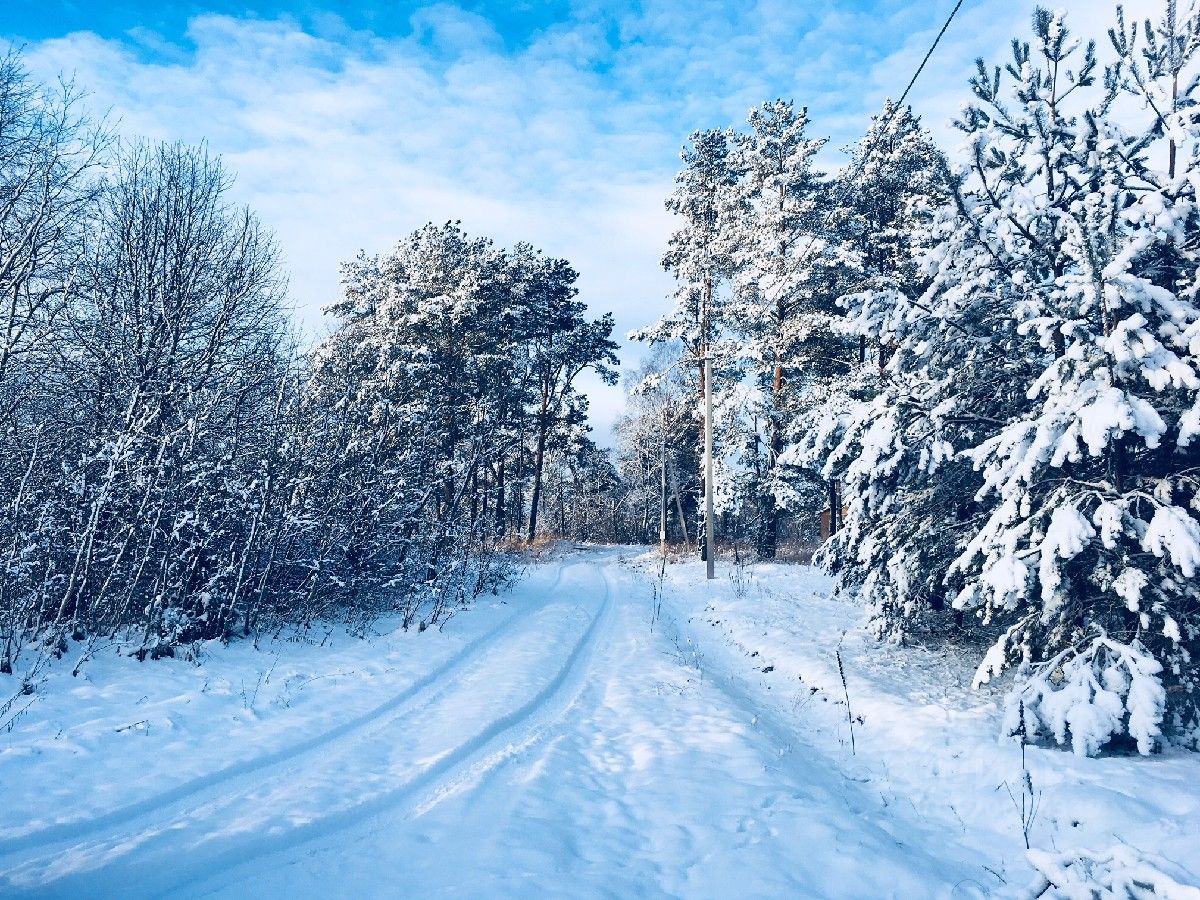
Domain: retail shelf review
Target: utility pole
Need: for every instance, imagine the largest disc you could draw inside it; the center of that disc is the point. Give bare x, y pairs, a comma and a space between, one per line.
662, 505
709, 540
710, 548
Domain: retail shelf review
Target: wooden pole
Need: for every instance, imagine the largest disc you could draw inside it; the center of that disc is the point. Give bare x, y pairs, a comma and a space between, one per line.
662, 504
709, 540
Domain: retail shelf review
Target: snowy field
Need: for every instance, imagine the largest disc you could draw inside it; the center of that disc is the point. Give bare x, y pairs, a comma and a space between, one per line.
596, 732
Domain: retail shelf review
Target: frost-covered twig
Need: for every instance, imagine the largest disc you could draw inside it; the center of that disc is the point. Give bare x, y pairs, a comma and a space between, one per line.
1031, 800
846, 691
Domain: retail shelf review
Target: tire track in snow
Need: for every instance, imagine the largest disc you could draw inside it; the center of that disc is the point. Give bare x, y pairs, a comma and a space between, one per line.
433, 682
161, 871
616, 788
551, 722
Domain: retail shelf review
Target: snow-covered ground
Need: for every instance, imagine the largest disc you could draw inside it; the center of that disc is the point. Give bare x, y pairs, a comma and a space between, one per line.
595, 732
925, 745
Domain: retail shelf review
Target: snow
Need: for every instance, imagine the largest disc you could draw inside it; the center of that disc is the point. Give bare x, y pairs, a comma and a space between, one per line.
1173, 532
926, 743
596, 732
1119, 871
1066, 537
1086, 696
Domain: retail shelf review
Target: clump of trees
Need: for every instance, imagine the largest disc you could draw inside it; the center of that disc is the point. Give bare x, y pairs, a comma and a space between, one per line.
988, 367
767, 246
174, 469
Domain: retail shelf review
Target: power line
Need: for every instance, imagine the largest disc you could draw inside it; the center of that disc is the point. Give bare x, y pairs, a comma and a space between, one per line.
917, 74
929, 53
899, 105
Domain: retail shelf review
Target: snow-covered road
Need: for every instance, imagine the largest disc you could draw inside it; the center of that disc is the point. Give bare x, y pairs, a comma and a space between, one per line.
580, 747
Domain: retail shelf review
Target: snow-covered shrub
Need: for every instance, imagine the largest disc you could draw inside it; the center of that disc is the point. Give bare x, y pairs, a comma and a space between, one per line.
1088, 695
1118, 873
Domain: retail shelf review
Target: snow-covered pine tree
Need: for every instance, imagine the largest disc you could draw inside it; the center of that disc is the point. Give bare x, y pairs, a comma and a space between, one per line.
1056, 350
871, 429
779, 240
1093, 539
449, 381
700, 256
404, 386
895, 179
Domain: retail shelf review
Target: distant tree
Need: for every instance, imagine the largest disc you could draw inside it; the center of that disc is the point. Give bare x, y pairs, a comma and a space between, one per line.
562, 345
657, 451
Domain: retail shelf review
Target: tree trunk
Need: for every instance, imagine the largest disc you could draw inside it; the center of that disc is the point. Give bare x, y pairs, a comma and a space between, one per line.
539, 460
562, 507
501, 523
769, 533
682, 519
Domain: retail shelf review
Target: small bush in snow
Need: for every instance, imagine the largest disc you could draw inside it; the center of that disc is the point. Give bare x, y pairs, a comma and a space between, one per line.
1118, 872
1088, 695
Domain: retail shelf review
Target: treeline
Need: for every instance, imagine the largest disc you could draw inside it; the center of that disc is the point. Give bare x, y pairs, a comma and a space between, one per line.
173, 468
983, 368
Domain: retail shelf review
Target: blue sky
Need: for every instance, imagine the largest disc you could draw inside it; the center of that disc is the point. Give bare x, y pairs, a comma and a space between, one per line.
350, 124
